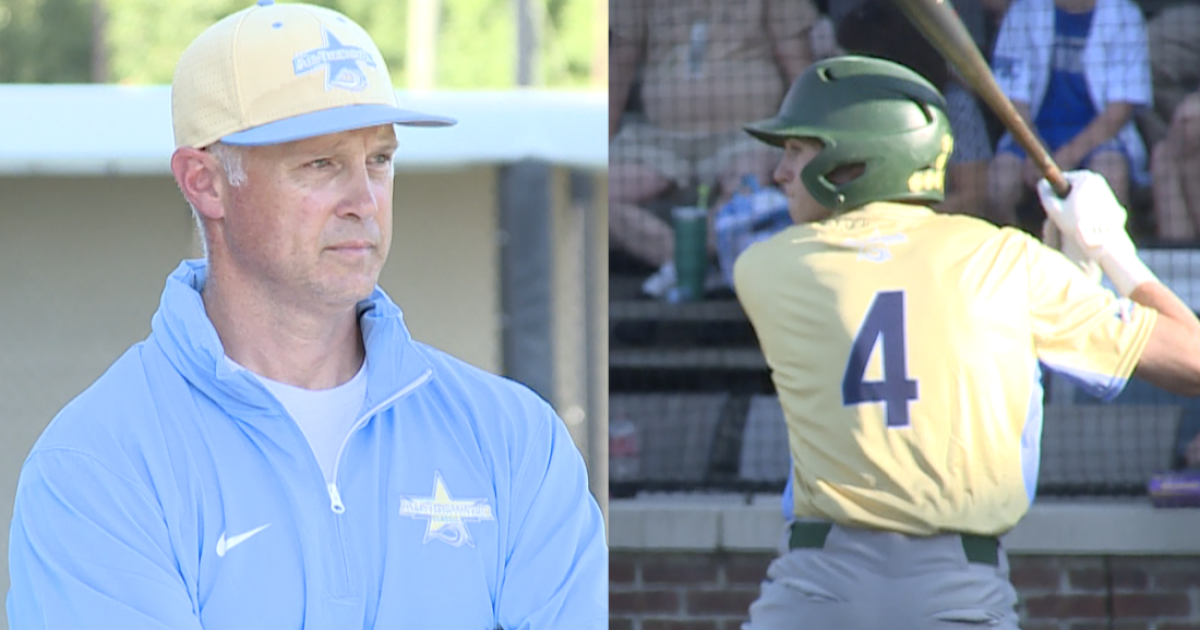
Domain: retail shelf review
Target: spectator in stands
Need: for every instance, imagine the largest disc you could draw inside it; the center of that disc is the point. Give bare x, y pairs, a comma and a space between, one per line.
706, 68
879, 29
1175, 168
973, 14
1173, 125
1076, 70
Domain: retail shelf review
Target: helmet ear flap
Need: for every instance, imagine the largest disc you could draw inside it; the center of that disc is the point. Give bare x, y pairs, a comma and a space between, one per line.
815, 176
834, 158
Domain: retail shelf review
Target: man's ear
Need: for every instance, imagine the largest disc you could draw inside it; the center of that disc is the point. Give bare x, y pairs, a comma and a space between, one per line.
198, 174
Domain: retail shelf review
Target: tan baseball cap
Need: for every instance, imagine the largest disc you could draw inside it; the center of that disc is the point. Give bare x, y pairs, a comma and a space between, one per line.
275, 73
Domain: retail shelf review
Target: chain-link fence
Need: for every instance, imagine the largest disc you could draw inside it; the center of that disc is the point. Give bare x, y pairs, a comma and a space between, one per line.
1108, 85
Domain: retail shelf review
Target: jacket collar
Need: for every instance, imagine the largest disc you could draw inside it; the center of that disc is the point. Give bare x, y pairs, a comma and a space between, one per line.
183, 332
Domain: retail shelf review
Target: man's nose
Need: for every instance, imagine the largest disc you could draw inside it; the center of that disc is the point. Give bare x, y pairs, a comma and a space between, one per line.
360, 200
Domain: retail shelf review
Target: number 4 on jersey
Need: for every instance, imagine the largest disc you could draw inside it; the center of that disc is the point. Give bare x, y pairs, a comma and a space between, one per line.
885, 320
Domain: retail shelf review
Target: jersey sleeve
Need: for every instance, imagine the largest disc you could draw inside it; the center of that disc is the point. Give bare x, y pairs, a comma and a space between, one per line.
1082, 330
556, 574
89, 548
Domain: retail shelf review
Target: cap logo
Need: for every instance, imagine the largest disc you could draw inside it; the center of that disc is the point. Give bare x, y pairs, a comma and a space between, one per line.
339, 61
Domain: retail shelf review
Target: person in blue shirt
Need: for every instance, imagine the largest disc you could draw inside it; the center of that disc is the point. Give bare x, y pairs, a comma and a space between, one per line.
280, 453
1077, 71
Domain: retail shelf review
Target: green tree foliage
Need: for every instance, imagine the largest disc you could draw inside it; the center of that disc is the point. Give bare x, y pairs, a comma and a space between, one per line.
146, 37
568, 42
45, 41
387, 22
477, 44
51, 40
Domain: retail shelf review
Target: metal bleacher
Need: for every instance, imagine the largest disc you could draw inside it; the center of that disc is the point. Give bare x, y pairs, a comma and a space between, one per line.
676, 431
1112, 447
1102, 447
684, 375
764, 455
691, 378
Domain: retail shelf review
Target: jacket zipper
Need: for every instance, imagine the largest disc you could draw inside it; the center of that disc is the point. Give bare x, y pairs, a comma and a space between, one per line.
335, 498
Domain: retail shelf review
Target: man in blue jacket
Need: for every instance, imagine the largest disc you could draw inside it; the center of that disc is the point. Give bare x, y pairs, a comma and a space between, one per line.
280, 453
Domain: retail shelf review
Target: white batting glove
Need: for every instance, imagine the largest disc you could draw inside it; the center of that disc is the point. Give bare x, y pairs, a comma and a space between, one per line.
1053, 238
1093, 218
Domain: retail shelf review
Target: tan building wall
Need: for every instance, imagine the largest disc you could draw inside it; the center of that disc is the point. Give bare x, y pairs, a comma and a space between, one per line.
83, 261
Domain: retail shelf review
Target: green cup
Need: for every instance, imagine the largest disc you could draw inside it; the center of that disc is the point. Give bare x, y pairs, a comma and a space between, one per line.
691, 251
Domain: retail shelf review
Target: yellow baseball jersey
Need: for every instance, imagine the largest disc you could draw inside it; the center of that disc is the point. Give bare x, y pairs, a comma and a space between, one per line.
907, 350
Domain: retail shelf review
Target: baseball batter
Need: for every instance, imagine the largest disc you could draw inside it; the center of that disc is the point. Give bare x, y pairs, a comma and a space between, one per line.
907, 349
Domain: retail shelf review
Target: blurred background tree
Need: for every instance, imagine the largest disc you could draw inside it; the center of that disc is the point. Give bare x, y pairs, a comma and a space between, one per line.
44, 41
139, 41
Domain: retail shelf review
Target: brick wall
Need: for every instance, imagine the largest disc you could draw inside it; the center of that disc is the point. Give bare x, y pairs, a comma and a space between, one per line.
712, 591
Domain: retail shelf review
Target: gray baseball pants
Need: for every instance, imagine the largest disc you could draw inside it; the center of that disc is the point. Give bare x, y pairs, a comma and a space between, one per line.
830, 577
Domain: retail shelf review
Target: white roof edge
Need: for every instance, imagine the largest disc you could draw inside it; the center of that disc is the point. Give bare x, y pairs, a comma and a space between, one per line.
106, 130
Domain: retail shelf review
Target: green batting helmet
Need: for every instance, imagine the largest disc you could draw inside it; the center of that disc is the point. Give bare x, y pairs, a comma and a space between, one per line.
871, 112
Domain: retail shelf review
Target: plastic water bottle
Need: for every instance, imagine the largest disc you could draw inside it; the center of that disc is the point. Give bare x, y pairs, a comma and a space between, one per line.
690, 224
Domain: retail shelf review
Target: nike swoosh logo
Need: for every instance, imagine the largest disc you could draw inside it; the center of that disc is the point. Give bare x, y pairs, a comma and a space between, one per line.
224, 545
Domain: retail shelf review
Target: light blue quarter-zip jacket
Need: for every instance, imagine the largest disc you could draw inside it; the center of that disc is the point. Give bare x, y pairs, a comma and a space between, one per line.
175, 493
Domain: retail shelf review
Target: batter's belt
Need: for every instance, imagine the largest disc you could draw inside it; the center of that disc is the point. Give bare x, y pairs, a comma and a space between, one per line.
979, 549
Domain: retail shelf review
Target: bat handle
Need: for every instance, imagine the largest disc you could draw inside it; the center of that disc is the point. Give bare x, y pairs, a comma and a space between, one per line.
1057, 180
1045, 163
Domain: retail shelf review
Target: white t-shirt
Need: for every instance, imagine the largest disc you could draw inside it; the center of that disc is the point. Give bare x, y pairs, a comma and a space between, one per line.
325, 416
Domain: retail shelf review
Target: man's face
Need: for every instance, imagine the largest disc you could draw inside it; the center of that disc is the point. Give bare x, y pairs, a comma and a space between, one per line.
313, 222
802, 207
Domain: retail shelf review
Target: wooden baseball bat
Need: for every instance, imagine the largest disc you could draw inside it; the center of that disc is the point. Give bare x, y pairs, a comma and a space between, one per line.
940, 24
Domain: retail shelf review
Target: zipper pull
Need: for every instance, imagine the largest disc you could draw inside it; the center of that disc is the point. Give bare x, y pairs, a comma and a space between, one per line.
335, 500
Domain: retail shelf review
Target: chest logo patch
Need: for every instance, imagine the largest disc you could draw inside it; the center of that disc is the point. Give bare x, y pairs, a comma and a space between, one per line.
447, 516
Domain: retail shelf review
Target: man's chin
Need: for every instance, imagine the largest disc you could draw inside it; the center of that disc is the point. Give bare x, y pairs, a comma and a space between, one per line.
350, 287
363, 287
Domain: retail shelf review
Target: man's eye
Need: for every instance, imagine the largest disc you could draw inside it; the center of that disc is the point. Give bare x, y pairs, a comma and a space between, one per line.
320, 163
383, 158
